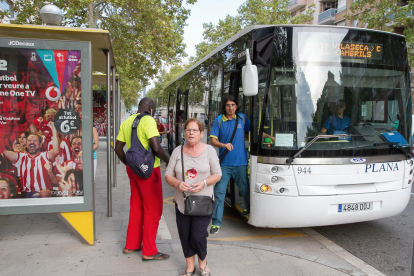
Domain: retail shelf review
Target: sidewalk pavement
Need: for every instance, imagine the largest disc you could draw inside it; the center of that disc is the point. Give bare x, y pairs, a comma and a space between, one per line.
42, 245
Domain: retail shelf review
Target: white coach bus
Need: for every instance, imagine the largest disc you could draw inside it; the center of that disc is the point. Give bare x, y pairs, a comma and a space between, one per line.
335, 104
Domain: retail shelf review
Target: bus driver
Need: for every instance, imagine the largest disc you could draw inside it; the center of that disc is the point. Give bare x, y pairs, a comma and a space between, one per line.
338, 123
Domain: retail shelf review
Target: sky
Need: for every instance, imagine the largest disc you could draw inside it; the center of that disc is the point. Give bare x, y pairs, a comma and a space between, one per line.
204, 11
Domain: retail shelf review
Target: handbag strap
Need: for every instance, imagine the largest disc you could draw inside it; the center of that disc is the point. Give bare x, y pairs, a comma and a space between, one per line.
231, 139
182, 166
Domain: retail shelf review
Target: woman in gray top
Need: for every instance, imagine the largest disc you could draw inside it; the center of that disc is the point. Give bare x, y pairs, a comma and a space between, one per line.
202, 171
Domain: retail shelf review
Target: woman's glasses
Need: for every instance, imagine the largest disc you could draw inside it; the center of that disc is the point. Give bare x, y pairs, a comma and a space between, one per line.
192, 130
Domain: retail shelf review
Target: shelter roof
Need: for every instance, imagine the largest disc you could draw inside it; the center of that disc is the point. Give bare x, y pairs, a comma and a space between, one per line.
99, 38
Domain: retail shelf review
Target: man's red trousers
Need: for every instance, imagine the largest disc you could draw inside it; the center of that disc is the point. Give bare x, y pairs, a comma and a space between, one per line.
145, 211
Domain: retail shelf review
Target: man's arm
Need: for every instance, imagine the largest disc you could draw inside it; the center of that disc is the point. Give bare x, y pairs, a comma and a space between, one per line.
158, 150
55, 143
119, 150
217, 144
11, 155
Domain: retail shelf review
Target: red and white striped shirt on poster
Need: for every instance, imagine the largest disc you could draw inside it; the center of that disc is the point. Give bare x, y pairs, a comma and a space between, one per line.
33, 175
64, 152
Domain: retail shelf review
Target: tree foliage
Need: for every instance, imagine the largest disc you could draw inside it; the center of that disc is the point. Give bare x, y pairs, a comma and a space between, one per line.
385, 15
157, 94
144, 33
252, 12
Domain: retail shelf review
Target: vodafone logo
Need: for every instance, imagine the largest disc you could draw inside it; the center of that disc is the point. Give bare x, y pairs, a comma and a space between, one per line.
53, 93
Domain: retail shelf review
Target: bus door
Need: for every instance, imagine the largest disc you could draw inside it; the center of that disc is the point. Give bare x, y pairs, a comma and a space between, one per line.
216, 91
233, 78
181, 116
171, 136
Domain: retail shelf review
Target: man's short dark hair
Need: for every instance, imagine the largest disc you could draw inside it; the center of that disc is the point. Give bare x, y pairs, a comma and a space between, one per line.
232, 99
39, 138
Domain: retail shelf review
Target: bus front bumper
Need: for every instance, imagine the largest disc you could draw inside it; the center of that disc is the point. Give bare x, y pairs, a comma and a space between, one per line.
306, 211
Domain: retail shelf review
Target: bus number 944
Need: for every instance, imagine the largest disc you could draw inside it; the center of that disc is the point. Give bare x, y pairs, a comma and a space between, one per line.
304, 170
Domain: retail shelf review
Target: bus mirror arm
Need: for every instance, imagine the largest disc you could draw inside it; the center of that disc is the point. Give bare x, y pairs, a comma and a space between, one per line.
290, 159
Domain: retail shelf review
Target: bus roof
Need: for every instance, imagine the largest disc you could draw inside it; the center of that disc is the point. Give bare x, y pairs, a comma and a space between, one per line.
251, 28
99, 38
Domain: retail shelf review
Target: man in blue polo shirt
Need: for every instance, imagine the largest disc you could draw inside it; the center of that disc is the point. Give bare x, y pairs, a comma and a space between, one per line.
234, 164
337, 124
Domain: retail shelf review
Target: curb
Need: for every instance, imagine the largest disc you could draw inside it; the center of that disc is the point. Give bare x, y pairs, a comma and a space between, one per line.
355, 261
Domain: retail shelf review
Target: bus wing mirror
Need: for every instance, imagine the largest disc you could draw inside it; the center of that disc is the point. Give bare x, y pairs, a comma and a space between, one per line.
250, 78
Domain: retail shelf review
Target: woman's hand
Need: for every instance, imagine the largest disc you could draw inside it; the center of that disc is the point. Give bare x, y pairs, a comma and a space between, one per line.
196, 187
184, 187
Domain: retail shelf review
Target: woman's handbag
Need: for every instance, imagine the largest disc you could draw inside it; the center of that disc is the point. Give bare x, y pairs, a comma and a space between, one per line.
196, 205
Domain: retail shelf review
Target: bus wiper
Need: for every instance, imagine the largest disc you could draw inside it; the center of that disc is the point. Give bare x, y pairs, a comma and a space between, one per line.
397, 146
290, 159
390, 144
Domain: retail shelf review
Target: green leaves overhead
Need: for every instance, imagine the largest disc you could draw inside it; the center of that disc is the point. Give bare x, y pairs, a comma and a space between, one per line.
252, 12
144, 33
386, 15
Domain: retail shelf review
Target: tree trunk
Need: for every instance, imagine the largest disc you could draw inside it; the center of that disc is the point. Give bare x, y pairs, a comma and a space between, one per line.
92, 23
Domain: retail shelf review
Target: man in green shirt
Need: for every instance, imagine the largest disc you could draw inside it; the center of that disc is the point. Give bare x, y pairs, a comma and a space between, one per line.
146, 194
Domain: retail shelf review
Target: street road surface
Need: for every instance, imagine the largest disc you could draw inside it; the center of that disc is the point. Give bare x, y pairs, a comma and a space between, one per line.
386, 244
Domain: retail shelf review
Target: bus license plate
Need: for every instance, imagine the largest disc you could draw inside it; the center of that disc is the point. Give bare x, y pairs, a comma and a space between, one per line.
355, 207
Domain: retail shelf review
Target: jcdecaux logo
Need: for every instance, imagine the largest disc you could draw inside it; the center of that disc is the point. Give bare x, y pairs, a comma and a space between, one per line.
20, 43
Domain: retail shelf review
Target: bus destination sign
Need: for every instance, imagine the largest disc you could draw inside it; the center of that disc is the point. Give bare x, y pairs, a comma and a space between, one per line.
351, 50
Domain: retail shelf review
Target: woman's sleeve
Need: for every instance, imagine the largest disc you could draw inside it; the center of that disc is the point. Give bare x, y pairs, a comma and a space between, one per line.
173, 161
214, 162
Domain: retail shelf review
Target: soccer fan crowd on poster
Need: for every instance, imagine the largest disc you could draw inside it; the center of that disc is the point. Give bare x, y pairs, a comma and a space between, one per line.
36, 158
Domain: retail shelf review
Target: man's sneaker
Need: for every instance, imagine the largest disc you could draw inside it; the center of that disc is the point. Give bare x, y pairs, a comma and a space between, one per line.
245, 212
214, 229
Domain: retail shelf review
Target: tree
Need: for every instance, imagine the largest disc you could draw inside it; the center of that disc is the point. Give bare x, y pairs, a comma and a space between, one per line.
385, 15
144, 33
157, 94
252, 12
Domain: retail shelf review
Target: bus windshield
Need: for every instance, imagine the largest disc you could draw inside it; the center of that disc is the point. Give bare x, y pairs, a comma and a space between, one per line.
340, 81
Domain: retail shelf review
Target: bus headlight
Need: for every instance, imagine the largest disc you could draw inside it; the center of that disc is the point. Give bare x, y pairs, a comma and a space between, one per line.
265, 188
274, 169
281, 190
274, 179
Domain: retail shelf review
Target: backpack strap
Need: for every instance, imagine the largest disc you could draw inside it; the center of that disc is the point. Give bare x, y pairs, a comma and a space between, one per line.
220, 119
135, 142
240, 115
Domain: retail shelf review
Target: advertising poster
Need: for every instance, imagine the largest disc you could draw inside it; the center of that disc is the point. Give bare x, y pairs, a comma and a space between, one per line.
40, 127
99, 112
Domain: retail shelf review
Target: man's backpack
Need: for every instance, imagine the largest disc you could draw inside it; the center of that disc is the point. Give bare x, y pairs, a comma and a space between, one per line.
140, 160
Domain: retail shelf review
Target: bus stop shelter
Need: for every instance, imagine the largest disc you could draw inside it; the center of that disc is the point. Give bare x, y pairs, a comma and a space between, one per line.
99, 58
